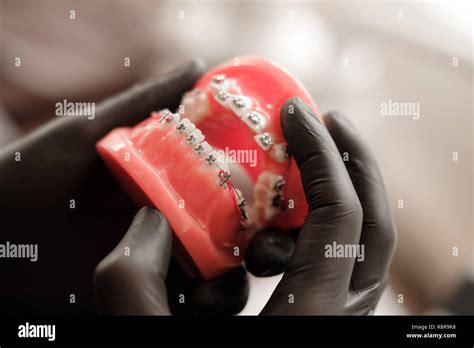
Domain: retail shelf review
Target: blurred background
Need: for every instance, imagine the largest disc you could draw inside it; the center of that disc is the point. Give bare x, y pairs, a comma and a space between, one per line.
352, 56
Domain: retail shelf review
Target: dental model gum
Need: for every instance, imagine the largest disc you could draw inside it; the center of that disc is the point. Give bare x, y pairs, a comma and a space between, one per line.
174, 162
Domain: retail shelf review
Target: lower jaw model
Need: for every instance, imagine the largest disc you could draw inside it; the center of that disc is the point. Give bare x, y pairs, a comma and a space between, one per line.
181, 163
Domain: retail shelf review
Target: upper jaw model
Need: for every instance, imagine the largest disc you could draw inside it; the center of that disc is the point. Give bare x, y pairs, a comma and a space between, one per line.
217, 168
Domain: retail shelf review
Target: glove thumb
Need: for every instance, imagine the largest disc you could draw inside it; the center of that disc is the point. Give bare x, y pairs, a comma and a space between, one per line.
131, 279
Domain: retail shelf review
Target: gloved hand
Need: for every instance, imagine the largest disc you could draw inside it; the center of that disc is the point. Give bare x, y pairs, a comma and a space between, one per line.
348, 206
61, 196
137, 283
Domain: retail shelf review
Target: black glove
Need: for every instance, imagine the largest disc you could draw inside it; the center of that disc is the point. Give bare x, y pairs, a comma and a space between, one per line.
137, 284
59, 164
347, 205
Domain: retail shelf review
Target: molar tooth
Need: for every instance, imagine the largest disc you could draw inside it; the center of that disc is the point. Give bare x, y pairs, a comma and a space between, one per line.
268, 186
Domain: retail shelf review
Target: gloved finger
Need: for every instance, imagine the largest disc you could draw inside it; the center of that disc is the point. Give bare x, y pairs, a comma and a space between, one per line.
224, 295
313, 282
131, 279
269, 252
378, 232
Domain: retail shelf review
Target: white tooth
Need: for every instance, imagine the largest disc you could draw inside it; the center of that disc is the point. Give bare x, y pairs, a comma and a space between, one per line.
187, 102
217, 160
167, 118
239, 104
185, 126
201, 105
219, 79
195, 105
222, 177
265, 140
215, 87
203, 148
222, 161
212, 166
279, 153
211, 158
222, 98
176, 117
220, 83
264, 192
195, 137
256, 121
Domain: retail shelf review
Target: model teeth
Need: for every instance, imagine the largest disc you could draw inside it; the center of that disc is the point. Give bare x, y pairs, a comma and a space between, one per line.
222, 96
167, 117
195, 105
280, 153
163, 113
185, 126
218, 78
209, 161
256, 121
194, 137
219, 83
203, 148
224, 177
240, 105
254, 118
239, 102
211, 158
267, 193
265, 140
